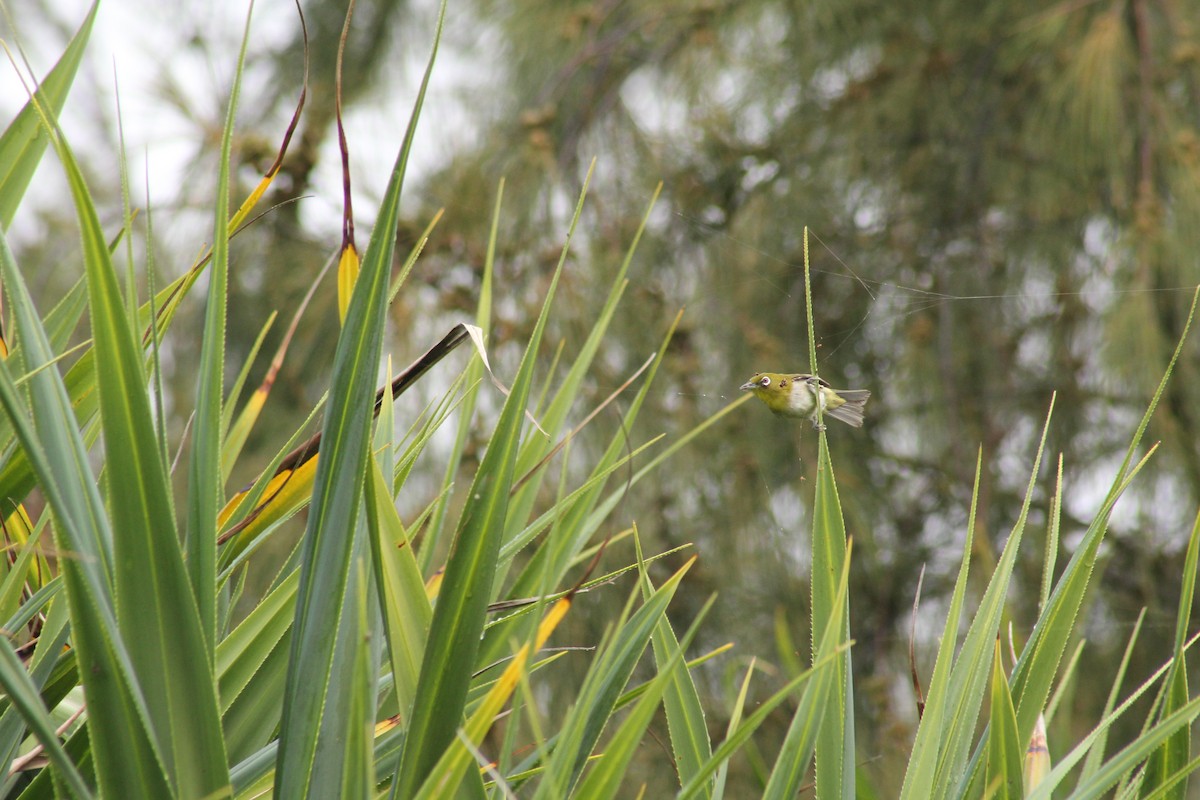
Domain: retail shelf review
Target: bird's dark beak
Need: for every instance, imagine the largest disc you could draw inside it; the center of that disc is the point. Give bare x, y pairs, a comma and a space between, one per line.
748, 385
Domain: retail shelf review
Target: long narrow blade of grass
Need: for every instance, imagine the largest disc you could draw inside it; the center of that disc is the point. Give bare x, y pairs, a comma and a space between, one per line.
159, 624
24, 619
1050, 559
204, 471
738, 738
685, 715
835, 737
235, 222
44, 671
1096, 753
735, 721
582, 512
535, 450
16, 476
1004, 774
602, 688
474, 373
236, 432
235, 436
821, 684
344, 755
969, 676
358, 765
1035, 669
337, 497
1176, 751
156, 609
24, 142
21, 538
1089, 743
22, 693
458, 619
1137, 751
791, 764
605, 778
926, 751
555, 415
123, 748
406, 608
448, 771
251, 665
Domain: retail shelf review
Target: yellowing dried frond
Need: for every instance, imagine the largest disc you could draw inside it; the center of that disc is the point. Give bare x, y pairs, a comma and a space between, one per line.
347, 276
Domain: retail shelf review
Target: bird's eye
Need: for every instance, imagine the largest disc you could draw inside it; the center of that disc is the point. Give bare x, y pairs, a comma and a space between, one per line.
766, 381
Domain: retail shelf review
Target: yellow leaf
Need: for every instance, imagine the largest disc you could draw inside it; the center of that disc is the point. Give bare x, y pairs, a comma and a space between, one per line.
347, 277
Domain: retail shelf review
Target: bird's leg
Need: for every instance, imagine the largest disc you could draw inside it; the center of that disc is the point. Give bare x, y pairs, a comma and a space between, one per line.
814, 386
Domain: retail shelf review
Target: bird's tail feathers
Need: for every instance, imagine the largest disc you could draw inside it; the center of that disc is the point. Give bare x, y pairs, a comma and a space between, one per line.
851, 412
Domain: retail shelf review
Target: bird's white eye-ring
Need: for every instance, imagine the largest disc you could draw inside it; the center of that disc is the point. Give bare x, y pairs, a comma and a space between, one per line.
766, 381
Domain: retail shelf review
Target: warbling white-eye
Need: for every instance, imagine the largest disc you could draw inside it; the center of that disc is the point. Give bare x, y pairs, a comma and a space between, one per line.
789, 394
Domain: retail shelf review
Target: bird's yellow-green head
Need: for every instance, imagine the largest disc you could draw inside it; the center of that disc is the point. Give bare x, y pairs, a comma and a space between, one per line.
784, 393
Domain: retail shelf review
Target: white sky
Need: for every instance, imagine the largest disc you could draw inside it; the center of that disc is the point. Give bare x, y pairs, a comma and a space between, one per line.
142, 45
